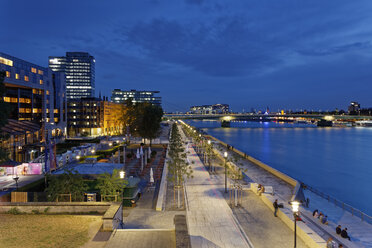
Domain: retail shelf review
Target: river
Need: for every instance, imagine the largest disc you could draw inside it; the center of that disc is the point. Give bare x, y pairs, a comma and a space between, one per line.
337, 161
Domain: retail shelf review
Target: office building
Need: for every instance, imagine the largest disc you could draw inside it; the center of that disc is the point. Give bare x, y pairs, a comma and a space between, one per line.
120, 96
94, 117
37, 99
210, 109
354, 108
79, 68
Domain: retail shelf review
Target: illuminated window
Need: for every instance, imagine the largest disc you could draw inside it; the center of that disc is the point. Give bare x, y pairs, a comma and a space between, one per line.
27, 100
55, 119
47, 110
6, 99
33, 70
47, 92
21, 110
35, 91
40, 72
14, 99
47, 119
17, 76
56, 111
28, 110
27, 79
34, 110
41, 81
6, 61
7, 74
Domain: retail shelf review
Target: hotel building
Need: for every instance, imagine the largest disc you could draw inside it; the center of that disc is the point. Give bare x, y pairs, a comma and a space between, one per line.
120, 96
79, 68
37, 99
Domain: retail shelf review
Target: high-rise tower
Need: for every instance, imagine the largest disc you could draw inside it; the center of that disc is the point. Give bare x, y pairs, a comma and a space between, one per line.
79, 68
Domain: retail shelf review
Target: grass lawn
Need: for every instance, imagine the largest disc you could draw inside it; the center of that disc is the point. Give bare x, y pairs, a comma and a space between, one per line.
41, 231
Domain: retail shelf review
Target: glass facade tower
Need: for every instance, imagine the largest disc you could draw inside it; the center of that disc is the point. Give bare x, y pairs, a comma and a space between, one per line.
79, 68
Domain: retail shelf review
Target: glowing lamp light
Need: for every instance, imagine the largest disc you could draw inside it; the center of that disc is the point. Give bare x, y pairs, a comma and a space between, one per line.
122, 174
77, 157
93, 151
110, 144
295, 206
209, 142
225, 154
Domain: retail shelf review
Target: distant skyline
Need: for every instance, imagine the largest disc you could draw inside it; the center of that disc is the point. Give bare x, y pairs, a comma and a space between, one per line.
287, 54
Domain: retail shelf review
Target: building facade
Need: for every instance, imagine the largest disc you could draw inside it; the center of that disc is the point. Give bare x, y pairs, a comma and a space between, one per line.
354, 108
120, 96
210, 109
93, 117
79, 68
37, 98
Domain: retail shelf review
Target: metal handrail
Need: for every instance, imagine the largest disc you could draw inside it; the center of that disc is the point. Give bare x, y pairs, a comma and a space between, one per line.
346, 207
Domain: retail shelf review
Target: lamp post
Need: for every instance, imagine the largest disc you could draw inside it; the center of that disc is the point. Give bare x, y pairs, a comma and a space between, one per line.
295, 208
225, 156
208, 154
15, 178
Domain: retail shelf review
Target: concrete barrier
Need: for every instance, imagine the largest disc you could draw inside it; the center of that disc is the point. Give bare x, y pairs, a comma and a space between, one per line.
162, 195
56, 207
113, 218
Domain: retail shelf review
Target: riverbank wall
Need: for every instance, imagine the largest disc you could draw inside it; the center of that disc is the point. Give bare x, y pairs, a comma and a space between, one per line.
291, 181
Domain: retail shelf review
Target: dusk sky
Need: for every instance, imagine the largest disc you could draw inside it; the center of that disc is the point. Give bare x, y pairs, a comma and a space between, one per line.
287, 54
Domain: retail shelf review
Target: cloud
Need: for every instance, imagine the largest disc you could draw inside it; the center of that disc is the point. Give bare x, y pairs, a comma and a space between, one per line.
356, 46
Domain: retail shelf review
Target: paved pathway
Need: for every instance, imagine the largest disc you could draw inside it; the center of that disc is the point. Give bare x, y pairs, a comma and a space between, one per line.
210, 220
150, 238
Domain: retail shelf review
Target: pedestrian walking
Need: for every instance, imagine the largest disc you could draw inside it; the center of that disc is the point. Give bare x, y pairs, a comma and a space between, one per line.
276, 206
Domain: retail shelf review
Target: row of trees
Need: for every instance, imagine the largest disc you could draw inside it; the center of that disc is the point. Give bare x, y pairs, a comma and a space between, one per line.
142, 119
179, 168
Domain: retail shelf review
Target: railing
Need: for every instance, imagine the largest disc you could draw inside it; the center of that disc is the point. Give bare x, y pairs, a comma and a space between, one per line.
355, 212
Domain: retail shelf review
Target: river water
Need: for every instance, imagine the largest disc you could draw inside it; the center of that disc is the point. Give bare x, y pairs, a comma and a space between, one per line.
337, 161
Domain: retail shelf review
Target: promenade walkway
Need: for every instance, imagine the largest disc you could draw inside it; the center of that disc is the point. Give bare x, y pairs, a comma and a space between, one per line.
360, 232
211, 222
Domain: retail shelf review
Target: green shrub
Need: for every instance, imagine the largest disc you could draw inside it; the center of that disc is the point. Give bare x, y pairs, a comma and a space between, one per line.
14, 211
46, 210
35, 211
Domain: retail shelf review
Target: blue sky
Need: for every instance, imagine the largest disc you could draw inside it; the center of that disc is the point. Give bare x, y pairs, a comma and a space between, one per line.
291, 54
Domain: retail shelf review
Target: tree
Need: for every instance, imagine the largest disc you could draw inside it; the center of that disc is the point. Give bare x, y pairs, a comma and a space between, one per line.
111, 184
129, 116
142, 119
149, 124
178, 166
70, 182
4, 114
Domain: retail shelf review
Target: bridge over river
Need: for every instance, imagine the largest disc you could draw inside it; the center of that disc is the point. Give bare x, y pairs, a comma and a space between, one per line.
227, 118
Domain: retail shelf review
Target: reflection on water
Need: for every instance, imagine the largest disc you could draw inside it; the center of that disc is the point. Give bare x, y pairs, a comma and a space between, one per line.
334, 160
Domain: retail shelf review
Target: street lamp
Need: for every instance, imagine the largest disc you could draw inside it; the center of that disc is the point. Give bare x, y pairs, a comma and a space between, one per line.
122, 174
77, 157
295, 209
225, 156
15, 178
